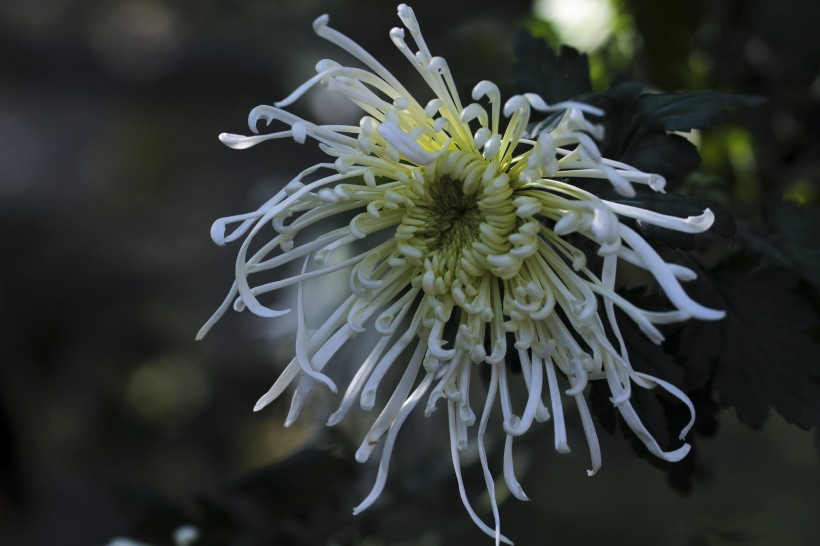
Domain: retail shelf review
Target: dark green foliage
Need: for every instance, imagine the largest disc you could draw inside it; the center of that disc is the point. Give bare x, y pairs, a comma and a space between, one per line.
634, 136
792, 240
556, 77
687, 111
763, 355
638, 125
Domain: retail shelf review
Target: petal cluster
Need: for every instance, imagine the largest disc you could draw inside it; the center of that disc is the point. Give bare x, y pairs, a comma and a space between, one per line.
460, 231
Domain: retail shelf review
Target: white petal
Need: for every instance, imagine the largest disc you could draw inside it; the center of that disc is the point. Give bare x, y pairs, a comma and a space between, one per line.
405, 144
690, 224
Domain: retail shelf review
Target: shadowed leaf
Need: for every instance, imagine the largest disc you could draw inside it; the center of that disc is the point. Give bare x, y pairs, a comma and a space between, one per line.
792, 240
556, 77
763, 352
638, 125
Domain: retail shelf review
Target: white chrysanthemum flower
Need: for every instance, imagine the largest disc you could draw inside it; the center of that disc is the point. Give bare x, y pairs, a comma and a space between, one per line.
471, 215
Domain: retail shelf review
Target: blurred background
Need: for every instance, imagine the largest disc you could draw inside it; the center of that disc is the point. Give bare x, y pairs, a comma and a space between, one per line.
114, 422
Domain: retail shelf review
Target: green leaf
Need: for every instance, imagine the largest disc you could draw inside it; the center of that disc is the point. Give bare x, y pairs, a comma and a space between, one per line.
638, 124
792, 240
763, 354
691, 110
556, 77
658, 152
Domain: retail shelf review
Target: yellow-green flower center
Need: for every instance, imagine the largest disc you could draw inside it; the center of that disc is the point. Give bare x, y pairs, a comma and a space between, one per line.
453, 218
459, 218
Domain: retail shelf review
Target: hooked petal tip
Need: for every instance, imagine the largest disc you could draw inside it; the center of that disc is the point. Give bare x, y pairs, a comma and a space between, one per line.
237, 142
218, 232
517, 102
321, 22
702, 221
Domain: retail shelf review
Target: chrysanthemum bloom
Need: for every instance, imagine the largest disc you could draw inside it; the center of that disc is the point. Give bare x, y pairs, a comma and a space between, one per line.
470, 217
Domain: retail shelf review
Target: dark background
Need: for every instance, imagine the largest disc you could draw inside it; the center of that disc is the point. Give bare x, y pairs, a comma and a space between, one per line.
114, 422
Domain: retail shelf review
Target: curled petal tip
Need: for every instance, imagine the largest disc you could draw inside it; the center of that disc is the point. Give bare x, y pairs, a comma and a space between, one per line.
517, 102
703, 221
408, 17
238, 142
218, 232
437, 64
536, 101
321, 22
263, 111
678, 454
656, 183
397, 34
486, 88
230, 139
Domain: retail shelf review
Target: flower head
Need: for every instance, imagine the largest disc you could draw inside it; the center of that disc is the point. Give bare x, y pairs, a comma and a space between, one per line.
472, 220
